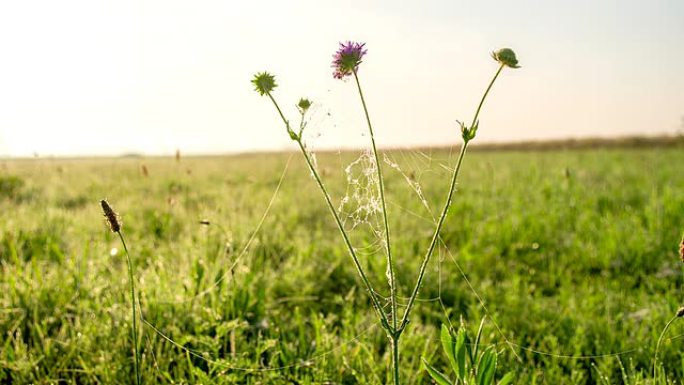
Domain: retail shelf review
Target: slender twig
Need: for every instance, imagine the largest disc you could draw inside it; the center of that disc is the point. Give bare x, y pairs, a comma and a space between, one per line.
445, 209
340, 226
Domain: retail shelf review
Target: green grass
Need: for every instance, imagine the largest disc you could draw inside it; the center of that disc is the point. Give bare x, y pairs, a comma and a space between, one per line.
573, 252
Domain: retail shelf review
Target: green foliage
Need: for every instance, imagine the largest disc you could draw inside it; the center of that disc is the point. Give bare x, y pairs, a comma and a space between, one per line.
559, 271
39, 244
11, 186
470, 364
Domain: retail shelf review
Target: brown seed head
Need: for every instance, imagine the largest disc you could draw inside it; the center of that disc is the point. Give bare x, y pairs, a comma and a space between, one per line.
112, 217
681, 249
680, 312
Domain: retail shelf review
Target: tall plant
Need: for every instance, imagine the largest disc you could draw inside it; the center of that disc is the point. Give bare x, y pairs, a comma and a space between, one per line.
346, 64
115, 225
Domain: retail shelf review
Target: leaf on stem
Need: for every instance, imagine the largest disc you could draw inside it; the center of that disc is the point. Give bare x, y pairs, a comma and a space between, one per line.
436, 375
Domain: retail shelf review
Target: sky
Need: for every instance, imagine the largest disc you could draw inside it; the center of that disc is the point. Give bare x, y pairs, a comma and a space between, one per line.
149, 77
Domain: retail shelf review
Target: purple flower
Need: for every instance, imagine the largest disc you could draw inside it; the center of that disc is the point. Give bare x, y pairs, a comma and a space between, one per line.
347, 59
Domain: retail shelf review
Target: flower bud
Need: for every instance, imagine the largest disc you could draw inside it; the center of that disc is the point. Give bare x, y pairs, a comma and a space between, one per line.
303, 105
506, 56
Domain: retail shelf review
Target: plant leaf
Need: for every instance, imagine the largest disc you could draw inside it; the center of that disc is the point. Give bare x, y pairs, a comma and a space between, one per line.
476, 348
448, 346
486, 367
460, 351
507, 378
436, 375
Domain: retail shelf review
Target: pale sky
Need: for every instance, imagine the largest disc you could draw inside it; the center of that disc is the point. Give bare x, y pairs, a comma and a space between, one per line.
112, 77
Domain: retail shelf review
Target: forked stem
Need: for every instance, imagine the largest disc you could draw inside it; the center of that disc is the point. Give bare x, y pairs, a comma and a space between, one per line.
395, 330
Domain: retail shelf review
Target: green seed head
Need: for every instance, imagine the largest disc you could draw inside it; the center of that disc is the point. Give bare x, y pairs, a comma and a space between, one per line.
264, 83
303, 105
506, 56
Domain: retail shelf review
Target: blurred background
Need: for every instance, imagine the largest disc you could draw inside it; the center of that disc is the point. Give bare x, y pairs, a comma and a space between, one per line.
149, 77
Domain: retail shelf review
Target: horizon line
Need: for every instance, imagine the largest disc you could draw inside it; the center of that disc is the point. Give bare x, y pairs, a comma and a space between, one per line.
661, 139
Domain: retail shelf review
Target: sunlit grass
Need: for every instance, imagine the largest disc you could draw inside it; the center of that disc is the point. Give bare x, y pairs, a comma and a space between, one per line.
575, 253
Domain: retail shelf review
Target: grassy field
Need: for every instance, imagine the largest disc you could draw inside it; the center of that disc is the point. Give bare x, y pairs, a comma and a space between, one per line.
573, 252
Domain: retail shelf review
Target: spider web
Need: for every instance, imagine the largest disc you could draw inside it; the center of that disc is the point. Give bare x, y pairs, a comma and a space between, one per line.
361, 204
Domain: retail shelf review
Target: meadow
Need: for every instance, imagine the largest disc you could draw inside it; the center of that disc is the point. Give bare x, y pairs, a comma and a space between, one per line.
243, 277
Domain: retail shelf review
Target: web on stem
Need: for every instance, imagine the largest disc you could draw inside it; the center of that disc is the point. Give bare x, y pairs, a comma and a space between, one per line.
361, 204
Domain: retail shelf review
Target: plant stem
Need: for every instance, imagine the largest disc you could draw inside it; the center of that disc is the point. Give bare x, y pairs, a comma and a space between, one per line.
287, 123
133, 312
395, 357
445, 210
381, 187
340, 226
393, 332
484, 96
435, 236
660, 339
